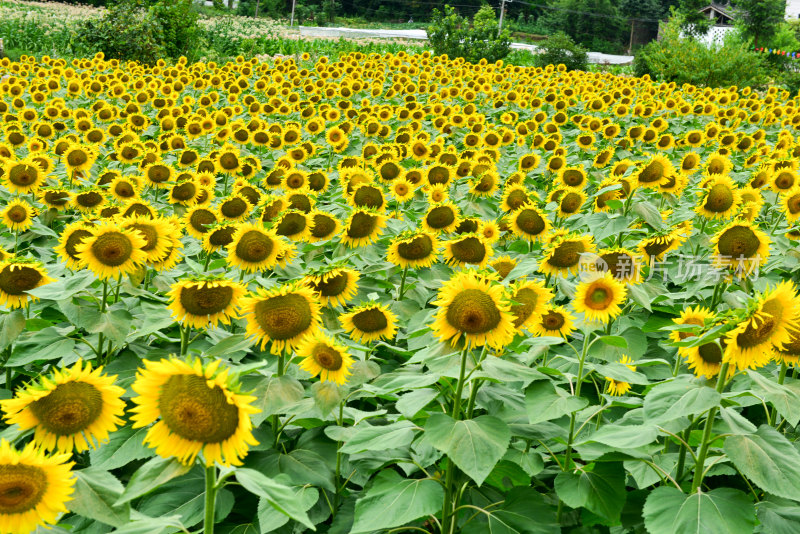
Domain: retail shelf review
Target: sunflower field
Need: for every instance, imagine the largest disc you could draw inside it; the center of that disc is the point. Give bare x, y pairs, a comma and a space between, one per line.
395, 293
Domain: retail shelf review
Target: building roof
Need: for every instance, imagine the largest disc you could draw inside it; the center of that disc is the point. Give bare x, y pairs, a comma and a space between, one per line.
718, 11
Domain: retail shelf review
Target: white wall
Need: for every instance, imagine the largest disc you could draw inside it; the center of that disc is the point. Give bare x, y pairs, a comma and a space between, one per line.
792, 9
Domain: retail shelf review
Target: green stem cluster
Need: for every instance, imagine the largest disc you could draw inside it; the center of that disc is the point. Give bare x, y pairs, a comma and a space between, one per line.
699, 466
448, 519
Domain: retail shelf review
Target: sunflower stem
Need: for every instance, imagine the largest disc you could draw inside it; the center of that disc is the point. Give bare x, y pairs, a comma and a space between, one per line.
781, 377
687, 434
775, 227
338, 488
208, 260
211, 499
116, 291
706, 442
275, 419
185, 330
448, 506
571, 437
402, 284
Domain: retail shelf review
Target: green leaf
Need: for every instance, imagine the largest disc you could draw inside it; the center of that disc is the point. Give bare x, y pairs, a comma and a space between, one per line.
393, 501
523, 512
768, 459
13, 324
64, 288
114, 324
624, 437
281, 497
475, 445
152, 475
721, 511
95, 494
778, 516
614, 341
378, 438
274, 394
782, 397
544, 401
409, 404
47, 345
302, 466
124, 445
601, 490
649, 213
678, 398
234, 343
271, 519
327, 396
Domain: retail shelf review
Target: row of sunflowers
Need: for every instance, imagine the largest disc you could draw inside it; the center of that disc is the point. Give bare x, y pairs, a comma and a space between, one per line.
394, 293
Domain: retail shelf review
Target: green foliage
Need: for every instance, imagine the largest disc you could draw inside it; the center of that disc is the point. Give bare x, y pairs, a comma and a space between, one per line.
691, 20
759, 19
685, 60
452, 34
597, 24
178, 22
126, 31
560, 49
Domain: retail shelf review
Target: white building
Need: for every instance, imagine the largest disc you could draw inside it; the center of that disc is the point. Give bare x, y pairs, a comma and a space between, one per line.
723, 15
792, 9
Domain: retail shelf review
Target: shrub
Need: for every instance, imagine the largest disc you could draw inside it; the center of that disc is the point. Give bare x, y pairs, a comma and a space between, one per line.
560, 48
685, 60
130, 31
450, 33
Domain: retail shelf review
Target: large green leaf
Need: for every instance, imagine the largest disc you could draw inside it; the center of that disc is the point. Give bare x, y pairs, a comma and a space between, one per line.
302, 466
271, 519
475, 445
721, 511
624, 437
152, 475
778, 516
124, 445
785, 399
523, 512
544, 401
601, 490
13, 323
678, 398
393, 501
768, 459
96, 492
281, 497
378, 438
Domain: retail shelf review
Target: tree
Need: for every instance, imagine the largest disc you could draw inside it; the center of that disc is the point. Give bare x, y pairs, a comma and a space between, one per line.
692, 21
759, 19
452, 34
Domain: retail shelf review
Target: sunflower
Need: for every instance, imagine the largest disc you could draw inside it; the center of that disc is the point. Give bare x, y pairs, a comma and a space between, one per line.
528, 222
111, 251
196, 409
254, 248
720, 198
35, 487
742, 246
654, 248
220, 235
22, 176
555, 321
503, 265
467, 249
334, 285
477, 309
441, 217
617, 388
574, 176
784, 179
489, 231
653, 171
205, 302
89, 200
438, 193
17, 277
621, 263
323, 225
698, 316
71, 236
363, 227
413, 249
790, 203
570, 202
18, 215
514, 197
706, 359
599, 299
70, 409
789, 351
690, 163
155, 233
768, 323
369, 322
402, 190
283, 314
234, 208
529, 301
55, 198
752, 202
368, 196
563, 253
78, 158
324, 357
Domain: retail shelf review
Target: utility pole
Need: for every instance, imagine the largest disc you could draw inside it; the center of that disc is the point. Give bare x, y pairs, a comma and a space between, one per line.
291, 22
502, 12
